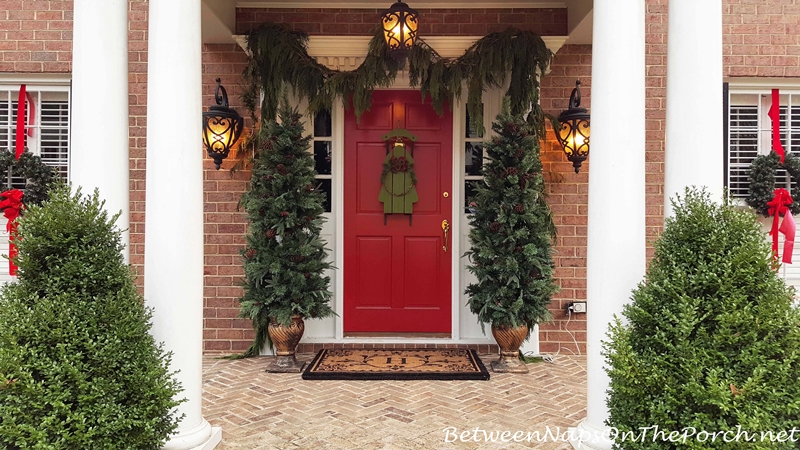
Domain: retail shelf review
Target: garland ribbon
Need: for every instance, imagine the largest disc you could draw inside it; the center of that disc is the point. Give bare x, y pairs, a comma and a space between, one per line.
13, 201
12, 206
777, 206
20, 136
775, 114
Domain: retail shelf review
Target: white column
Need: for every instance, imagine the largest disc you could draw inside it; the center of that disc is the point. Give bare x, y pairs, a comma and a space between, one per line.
173, 263
615, 256
99, 141
694, 99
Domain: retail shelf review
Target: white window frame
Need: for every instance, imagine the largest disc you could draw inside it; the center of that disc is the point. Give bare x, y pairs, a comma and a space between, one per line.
791, 141
763, 129
37, 85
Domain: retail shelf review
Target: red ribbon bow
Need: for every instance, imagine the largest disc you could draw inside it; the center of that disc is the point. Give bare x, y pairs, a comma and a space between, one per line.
779, 205
11, 206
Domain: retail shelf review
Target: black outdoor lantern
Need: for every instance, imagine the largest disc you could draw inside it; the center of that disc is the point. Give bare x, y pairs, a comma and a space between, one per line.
400, 30
574, 132
222, 126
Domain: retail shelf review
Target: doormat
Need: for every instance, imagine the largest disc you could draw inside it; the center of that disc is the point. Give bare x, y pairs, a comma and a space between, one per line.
396, 364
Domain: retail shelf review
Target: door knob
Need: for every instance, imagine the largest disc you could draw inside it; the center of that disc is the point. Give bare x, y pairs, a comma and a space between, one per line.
445, 230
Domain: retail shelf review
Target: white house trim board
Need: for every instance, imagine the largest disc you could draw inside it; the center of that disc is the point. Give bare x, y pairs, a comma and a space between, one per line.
39, 81
757, 85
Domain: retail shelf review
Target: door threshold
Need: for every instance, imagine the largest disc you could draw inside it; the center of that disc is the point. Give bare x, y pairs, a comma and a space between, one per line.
371, 334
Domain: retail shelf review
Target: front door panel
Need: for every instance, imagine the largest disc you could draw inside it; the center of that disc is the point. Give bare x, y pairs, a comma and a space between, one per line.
397, 276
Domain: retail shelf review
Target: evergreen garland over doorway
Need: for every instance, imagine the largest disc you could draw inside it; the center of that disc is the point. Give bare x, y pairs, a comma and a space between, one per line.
279, 58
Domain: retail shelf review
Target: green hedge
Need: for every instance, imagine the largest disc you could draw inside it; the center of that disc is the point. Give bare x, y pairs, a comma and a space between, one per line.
78, 367
711, 340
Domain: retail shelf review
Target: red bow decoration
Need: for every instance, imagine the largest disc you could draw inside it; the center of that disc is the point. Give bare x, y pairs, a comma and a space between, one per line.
779, 205
11, 206
775, 114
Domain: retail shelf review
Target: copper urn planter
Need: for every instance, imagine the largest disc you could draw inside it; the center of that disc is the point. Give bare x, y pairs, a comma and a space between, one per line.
509, 340
285, 340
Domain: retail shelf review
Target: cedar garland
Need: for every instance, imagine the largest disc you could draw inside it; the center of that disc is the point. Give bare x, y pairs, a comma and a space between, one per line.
762, 181
279, 58
38, 176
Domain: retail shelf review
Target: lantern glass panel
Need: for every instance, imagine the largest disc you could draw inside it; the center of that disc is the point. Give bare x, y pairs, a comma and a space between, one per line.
219, 133
392, 29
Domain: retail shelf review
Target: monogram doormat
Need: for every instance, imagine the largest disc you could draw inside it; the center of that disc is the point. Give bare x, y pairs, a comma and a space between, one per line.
396, 364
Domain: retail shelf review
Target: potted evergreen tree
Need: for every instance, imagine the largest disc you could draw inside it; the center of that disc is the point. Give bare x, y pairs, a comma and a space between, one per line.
285, 258
511, 236
711, 340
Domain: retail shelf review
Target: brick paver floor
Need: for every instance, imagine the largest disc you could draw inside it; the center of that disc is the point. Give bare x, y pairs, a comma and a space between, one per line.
259, 410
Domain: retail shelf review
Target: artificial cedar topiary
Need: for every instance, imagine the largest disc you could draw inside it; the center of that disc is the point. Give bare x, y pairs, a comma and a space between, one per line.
78, 366
512, 230
285, 257
711, 339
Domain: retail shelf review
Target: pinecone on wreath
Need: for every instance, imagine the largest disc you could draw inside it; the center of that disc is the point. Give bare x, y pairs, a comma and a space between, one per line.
399, 165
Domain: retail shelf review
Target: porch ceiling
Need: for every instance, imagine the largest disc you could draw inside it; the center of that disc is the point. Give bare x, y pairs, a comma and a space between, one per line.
219, 16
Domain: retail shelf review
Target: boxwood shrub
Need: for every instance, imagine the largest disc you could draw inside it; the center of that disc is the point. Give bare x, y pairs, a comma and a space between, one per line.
711, 341
78, 367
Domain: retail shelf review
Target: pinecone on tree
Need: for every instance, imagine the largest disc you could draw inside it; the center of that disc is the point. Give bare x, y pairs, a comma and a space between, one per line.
512, 219
274, 289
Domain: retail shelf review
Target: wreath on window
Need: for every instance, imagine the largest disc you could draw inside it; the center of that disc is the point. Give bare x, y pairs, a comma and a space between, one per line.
762, 181
36, 174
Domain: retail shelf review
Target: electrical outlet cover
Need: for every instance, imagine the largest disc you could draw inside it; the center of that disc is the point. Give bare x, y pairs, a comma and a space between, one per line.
579, 307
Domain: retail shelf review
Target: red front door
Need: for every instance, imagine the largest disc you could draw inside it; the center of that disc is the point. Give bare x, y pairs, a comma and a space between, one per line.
397, 276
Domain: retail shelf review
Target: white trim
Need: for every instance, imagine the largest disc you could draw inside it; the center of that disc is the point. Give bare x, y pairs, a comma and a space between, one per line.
337, 128
457, 207
367, 4
44, 81
743, 83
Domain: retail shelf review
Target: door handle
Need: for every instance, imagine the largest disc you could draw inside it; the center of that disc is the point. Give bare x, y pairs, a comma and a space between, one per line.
445, 230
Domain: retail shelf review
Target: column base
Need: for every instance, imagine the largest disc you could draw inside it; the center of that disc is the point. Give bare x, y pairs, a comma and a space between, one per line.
588, 437
200, 437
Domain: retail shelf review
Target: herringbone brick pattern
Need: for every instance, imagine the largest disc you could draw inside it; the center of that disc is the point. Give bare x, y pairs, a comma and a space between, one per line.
258, 410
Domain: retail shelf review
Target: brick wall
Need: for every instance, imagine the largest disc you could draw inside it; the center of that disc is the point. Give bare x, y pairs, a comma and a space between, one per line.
137, 129
450, 22
760, 38
35, 36
568, 198
225, 227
